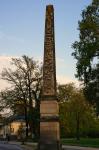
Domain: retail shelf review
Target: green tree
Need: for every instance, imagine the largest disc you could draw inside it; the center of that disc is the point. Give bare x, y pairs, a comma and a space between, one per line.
93, 86
65, 92
87, 48
77, 116
25, 79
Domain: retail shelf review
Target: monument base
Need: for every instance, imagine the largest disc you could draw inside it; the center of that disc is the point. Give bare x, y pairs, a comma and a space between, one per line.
49, 125
51, 145
49, 135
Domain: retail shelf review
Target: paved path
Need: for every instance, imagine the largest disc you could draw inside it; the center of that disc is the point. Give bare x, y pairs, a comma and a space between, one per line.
16, 146
6, 146
77, 148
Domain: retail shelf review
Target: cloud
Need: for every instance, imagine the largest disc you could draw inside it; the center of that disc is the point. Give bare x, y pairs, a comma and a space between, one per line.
3, 85
63, 79
4, 63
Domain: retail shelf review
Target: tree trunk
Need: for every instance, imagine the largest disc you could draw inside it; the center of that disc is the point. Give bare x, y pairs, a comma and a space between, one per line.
30, 111
37, 115
26, 119
77, 127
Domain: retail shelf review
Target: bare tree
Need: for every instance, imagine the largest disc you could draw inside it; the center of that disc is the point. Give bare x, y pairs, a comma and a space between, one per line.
25, 77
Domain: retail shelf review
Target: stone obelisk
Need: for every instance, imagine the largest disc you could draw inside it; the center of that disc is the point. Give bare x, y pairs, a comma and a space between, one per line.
49, 118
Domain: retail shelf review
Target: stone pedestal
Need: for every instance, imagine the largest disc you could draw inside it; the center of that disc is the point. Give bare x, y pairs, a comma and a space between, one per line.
49, 126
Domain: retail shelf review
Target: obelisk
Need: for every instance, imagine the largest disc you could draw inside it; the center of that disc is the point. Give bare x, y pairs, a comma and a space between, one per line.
49, 110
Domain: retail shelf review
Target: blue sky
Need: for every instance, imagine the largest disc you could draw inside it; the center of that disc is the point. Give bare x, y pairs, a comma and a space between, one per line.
22, 30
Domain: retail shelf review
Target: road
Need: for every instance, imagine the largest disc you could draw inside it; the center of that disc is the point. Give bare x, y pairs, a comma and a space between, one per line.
6, 146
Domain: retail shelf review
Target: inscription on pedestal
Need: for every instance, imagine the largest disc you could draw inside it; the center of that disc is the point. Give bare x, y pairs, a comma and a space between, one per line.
49, 108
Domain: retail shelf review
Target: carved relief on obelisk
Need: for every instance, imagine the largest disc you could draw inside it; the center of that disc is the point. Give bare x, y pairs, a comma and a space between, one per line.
49, 109
49, 70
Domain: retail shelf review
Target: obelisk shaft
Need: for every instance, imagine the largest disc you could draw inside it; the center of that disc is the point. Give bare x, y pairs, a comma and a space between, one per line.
49, 110
49, 68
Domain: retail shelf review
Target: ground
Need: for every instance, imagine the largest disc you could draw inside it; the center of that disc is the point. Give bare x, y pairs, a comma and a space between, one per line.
5, 146
32, 146
15, 146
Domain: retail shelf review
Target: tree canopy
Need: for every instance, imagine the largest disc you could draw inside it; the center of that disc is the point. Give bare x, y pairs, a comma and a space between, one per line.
86, 52
87, 48
77, 116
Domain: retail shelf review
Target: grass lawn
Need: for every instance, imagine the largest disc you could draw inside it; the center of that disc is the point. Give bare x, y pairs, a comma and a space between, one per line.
85, 142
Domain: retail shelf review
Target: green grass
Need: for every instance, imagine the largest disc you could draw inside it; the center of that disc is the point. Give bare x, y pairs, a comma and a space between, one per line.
85, 142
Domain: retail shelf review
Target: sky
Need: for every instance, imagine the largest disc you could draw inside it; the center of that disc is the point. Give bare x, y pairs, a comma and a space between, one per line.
22, 32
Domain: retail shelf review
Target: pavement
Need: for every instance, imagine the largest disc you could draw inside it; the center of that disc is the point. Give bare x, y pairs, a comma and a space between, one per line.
25, 146
32, 146
7, 146
4, 145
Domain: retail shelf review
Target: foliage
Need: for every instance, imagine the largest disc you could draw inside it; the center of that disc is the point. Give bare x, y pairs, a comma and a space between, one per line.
87, 48
93, 86
65, 92
86, 52
77, 116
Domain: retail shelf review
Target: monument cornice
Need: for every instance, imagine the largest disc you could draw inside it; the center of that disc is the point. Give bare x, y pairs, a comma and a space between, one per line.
49, 119
49, 97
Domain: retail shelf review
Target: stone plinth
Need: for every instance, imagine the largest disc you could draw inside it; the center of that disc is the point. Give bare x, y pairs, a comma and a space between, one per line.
49, 125
49, 139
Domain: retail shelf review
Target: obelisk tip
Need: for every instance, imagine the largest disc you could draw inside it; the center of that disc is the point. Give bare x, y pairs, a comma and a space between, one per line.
49, 7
